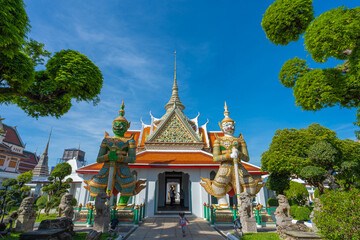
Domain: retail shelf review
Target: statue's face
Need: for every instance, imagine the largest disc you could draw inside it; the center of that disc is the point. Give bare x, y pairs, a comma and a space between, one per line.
228, 128
119, 128
27, 202
282, 199
68, 199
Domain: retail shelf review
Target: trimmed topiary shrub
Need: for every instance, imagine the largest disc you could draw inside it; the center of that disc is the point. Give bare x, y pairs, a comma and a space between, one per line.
73, 202
297, 193
339, 217
302, 213
272, 202
293, 210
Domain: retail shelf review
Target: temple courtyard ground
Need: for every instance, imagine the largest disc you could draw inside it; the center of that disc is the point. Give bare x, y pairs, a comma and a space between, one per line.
169, 228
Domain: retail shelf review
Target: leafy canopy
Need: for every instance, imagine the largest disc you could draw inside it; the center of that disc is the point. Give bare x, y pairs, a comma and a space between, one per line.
278, 182
57, 186
68, 75
285, 20
333, 34
313, 154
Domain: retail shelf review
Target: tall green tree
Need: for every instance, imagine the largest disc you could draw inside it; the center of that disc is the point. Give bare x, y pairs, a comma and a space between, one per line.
348, 173
68, 75
57, 186
278, 182
313, 154
333, 34
21, 189
6, 195
325, 158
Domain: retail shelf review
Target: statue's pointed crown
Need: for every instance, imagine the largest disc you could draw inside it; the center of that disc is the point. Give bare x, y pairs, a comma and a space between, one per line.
226, 114
121, 117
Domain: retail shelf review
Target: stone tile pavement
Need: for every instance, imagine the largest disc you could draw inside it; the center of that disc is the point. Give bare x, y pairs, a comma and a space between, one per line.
169, 228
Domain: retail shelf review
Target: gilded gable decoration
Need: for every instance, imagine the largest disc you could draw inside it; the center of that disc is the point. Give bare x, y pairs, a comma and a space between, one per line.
174, 132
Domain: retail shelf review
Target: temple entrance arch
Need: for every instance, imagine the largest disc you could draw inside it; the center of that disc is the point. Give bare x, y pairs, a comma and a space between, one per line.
180, 182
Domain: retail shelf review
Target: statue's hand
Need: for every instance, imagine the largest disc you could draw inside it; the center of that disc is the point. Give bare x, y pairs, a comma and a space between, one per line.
113, 156
235, 153
120, 158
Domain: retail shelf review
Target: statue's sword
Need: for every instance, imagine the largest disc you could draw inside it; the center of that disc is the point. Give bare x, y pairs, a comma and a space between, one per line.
109, 188
237, 182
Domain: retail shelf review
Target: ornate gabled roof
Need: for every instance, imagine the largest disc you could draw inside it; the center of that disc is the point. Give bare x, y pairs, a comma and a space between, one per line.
12, 136
174, 129
28, 164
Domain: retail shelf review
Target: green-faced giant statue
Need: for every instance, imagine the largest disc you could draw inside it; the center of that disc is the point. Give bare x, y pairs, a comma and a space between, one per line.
116, 152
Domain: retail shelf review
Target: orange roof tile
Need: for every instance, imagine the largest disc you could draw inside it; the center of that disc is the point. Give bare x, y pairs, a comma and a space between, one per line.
154, 157
130, 132
198, 159
212, 137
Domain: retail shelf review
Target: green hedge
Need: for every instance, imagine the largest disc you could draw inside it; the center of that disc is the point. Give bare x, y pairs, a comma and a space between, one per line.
272, 202
302, 213
293, 210
339, 217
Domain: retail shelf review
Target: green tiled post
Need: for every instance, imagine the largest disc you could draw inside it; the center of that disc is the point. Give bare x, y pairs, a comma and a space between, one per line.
90, 212
143, 212
140, 213
234, 212
80, 206
136, 213
212, 216
114, 211
87, 215
205, 211
208, 212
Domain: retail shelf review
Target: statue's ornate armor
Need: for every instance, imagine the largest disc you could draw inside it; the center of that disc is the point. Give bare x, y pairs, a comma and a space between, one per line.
224, 180
124, 181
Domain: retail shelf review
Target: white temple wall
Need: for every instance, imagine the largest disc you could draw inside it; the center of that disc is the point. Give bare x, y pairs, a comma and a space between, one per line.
198, 196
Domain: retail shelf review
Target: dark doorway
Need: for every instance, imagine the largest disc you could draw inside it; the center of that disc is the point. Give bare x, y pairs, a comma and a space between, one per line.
173, 192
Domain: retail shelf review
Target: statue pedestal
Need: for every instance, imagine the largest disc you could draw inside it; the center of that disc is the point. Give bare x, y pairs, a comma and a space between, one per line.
101, 223
24, 224
248, 225
283, 221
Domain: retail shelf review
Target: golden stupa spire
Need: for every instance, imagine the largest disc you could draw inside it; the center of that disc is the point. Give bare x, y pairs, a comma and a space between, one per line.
174, 99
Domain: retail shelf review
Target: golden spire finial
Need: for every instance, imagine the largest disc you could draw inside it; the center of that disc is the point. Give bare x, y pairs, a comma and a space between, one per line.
174, 96
175, 82
226, 114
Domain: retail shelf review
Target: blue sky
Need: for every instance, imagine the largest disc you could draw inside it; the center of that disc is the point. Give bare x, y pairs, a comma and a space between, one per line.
222, 55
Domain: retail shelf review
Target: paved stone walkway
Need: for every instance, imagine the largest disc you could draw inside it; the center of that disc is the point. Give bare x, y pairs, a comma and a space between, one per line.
169, 228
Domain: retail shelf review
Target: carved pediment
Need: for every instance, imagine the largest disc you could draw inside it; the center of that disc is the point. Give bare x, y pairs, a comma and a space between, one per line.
173, 131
